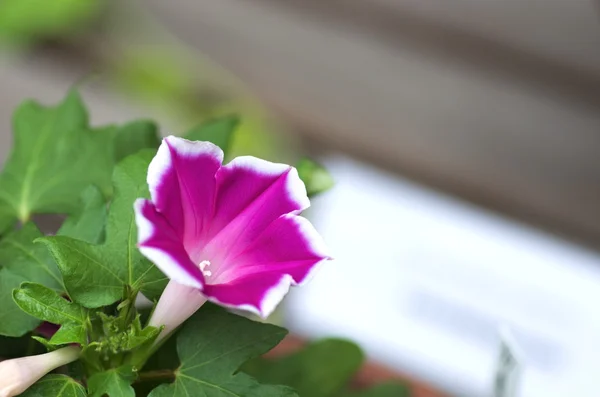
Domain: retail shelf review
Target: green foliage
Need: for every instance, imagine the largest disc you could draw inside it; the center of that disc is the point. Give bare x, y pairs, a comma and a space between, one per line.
22, 21
315, 177
21, 261
211, 346
55, 386
218, 131
55, 156
88, 222
86, 277
95, 275
135, 136
113, 383
322, 369
45, 304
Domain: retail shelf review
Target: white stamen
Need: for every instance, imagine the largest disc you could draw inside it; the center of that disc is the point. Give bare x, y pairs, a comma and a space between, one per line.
203, 265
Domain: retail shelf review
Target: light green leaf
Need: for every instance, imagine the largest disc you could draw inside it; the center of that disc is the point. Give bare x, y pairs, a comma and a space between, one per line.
25, 20
45, 304
22, 260
44, 342
321, 369
113, 383
219, 131
88, 223
135, 136
94, 275
55, 156
6, 218
212, 345
316, 178
55, 386
383, 390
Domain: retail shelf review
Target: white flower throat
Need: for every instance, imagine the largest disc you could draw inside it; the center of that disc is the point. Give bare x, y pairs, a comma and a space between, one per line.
203, 265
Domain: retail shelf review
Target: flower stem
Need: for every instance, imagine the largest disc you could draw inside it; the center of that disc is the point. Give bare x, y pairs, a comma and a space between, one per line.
161, 374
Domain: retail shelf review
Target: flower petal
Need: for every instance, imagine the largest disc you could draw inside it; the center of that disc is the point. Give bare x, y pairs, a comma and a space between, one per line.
251, 193
286, 253
259, 294
159, 243
181, 178
290, 245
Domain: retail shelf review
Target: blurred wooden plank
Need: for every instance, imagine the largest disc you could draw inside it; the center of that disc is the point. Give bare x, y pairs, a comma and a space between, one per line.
527, 152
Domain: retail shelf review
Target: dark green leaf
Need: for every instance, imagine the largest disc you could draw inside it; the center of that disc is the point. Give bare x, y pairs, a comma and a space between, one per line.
315, 177
94, 275
219, 131
88, 223
211, 346
321, 369
135, 136
19, 347
383, 390
22, 260
55, 156
113, 383
55, 386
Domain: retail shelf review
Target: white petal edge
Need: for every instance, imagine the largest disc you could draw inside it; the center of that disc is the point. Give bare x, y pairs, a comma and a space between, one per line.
294, 185
161, 163
160, 258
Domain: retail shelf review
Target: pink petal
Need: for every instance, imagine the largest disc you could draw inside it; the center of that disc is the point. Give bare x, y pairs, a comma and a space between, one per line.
181, 178
286, 253
251, 193
259, 294
159, 242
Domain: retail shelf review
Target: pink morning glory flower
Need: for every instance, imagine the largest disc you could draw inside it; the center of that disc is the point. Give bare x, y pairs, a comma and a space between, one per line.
227, 233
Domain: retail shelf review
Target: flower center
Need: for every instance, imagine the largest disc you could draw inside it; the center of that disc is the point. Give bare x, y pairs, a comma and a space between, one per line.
203, 265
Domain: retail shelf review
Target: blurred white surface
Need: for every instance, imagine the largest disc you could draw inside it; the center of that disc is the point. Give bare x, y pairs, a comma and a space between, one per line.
425, 282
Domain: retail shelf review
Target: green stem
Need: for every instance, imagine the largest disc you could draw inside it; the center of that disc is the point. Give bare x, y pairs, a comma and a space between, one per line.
162, 374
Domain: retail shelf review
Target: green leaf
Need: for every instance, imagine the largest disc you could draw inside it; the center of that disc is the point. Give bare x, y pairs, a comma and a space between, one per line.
316, 178
135, 136
113, 383
212, 345
55, 386
55, 156
22, 260
44, 303
383, 390
23, 257
219, 131
13, 321
321, 369
94, 275
44, 342
24, 20
88, 223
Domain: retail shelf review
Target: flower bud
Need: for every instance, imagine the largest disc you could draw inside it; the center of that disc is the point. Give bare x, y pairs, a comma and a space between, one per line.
18, 374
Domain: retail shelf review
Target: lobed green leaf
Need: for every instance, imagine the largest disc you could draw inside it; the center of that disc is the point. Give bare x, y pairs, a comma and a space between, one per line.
211, 346
113, 383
